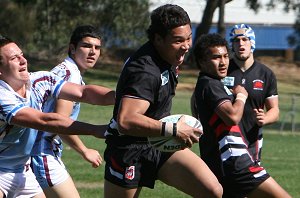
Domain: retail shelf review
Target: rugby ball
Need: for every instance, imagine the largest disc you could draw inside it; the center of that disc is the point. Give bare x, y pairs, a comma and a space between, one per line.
172, 144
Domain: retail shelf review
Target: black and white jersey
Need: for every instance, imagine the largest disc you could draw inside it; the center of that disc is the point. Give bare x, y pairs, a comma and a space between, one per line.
260, 83
146, 76
222, 147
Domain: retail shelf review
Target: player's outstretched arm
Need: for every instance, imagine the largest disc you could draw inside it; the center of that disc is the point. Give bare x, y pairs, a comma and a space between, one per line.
55, 123
92, 94
90, 155
65, 108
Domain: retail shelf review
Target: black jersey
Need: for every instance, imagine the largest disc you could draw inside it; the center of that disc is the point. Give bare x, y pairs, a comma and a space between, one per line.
146, 76
223, 148
260, 83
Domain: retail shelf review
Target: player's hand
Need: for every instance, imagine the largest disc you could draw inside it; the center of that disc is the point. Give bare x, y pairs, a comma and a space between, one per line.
239, 89
187, 133
93, 157
260, 117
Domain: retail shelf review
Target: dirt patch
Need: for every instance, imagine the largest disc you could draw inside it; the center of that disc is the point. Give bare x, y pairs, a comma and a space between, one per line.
284, 71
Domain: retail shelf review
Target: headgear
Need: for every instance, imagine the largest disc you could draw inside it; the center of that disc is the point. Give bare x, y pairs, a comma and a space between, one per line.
243, 30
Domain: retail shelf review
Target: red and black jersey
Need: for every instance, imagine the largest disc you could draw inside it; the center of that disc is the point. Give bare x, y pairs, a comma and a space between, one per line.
223, 148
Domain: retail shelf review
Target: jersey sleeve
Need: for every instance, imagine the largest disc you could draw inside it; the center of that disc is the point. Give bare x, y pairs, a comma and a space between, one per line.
272, 89
215, 93
46, 84
10, 105
141, 83
69, 74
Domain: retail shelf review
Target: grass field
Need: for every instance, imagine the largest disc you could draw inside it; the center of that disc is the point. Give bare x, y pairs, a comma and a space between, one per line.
280, 155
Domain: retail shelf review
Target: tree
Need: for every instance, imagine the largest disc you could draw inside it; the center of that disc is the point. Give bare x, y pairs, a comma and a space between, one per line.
212, 5
47, 25
16, 22
124, 22
206, 22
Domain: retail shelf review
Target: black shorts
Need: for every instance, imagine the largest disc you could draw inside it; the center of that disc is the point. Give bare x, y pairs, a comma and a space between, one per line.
134, 165
240, 184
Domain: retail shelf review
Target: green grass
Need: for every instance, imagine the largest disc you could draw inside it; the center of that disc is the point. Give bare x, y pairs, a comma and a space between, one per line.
280, 155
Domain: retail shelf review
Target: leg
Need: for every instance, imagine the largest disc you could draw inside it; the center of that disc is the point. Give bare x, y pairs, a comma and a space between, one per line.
187, 172
65, 189
1, 194
269, 189
111, 190
40, 195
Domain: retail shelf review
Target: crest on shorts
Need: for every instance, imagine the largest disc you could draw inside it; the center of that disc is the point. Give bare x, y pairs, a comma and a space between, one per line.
129, 173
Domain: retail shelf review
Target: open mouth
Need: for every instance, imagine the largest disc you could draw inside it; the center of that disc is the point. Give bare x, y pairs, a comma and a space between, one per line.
23, 69
242, 49
180, 57
223, 70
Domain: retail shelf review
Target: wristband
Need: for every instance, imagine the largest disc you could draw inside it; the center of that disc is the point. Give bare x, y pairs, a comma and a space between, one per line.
163, 129
174, 129
168, 129
241, 97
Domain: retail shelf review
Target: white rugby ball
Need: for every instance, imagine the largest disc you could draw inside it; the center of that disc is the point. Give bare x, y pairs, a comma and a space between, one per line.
172, 144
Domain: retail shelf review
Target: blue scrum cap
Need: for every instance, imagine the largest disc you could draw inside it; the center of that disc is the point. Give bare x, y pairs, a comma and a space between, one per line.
243, 30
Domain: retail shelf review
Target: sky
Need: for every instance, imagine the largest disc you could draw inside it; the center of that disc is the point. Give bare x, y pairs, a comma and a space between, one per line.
235, 12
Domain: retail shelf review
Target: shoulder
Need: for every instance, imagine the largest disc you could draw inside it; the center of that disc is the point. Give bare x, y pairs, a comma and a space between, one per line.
262, 67
66, 67
42, 74
43, 78
207, 81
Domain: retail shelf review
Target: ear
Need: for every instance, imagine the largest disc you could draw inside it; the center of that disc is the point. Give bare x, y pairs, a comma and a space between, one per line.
72, 49
158, 39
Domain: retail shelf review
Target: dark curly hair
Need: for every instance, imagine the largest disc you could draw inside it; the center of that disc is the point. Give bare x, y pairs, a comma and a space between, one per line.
206, 41
165, 18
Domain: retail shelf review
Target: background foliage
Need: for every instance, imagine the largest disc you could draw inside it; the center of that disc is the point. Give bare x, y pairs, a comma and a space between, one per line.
47, 24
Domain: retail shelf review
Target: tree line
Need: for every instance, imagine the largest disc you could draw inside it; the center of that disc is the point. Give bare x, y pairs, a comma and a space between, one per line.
47, 24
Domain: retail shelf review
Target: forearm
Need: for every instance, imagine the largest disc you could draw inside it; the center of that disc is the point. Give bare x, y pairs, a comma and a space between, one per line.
139, 125
91, 94
74, 142
55, 123
99, 95
272, 115
231, 114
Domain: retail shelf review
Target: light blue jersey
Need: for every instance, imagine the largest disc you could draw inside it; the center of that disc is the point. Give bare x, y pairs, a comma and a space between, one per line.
49, 143
16, 142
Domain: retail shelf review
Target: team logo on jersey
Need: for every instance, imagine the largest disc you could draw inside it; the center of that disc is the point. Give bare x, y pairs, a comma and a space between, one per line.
164, 78
228, 81
129, 173
243, 81
227, 91
258, 84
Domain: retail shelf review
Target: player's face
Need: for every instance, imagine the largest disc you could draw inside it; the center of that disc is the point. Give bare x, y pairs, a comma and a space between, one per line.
87, 53
13, 67
242, 47
217, 62
175, 45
